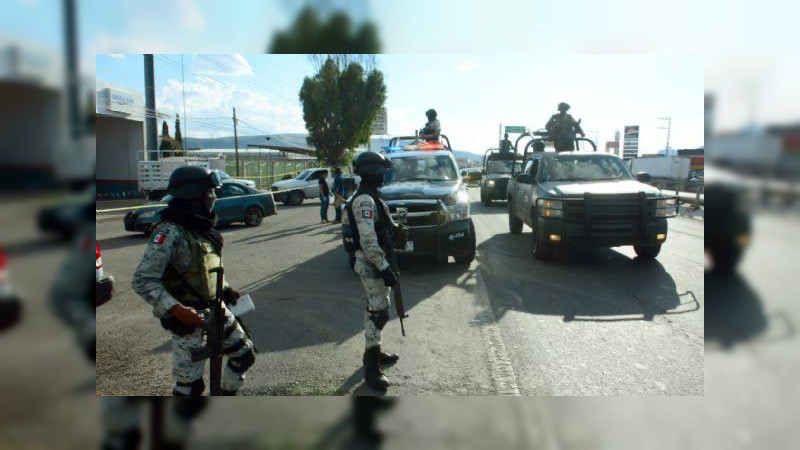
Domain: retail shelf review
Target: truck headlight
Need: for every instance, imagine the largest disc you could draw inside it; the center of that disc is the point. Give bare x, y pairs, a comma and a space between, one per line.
666, 207
551, 209
490, 183
458, 206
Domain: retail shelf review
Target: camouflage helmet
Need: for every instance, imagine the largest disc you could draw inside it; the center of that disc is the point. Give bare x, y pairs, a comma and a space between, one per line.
370, 163
563, 106
190, 182
430, 113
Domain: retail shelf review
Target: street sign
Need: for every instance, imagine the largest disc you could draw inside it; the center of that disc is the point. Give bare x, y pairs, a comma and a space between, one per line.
514, 129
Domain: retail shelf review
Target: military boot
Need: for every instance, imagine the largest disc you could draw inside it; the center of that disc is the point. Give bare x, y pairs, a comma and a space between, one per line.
388, 358
372, 369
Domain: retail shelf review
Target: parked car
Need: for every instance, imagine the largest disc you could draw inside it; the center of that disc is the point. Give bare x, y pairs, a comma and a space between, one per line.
235, 203
64, 216
229, 179
586, 199
306, 185
471, 175
104, 283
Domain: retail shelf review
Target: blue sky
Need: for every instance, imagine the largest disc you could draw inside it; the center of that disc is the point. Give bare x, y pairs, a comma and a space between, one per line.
472, 93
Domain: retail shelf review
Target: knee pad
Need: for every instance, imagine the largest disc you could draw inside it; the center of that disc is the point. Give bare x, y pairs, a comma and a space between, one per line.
241, 363
196, 388
379, 318
189, 408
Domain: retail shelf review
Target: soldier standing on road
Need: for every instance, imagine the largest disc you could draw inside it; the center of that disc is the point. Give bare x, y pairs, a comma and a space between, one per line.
173, 278
372, 229
562, 128
432, 129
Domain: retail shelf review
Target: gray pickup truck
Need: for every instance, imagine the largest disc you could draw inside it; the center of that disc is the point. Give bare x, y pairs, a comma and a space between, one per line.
586, 199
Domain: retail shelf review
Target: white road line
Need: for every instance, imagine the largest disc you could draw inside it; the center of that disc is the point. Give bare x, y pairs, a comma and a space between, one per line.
500, 368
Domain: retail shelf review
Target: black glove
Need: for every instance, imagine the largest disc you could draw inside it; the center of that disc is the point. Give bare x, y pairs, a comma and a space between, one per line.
230, 296
389, 278
171, 323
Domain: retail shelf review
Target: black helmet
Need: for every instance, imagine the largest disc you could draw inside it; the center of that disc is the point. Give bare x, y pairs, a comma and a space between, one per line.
430, 113
563, 106
192, 181
370, 163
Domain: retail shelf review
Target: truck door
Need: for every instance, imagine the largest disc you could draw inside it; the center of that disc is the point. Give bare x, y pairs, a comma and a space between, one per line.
527, 189
311, 188
228, 207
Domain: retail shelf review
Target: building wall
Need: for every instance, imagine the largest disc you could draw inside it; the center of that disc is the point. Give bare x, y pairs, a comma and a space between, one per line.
119, 142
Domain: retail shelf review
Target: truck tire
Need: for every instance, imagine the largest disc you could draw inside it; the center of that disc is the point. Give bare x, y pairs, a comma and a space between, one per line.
253, 216
540, 249
485, 199
296, 198
470, 256
514, 224
647, 252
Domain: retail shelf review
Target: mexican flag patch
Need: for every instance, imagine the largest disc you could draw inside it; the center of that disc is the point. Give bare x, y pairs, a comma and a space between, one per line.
366, 214
159, 238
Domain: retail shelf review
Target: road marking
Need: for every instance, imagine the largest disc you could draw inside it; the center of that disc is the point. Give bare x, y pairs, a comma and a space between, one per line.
500, 368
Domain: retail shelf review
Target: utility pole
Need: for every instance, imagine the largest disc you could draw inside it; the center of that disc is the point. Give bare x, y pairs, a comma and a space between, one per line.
73, 82
668, 128
236, 142
151, 144
185, 117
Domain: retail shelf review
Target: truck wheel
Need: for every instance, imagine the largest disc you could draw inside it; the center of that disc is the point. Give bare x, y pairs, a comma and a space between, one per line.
514, 224
253, 217
295, 198
647, 252
540, 250
469, 257
485, 200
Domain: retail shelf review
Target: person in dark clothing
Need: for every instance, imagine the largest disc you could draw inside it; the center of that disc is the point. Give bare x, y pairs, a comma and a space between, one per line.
339, 193
324, 197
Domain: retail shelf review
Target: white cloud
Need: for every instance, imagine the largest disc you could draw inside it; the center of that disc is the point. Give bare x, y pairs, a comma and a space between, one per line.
117, 56
190, 15
465, 66
229, 65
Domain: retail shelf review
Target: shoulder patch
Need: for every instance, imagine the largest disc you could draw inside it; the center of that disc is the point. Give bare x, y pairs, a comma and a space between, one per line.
159, 238
367, 214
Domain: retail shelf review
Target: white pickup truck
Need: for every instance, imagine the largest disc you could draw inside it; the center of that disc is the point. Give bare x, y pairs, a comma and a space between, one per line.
154, 175
306, 185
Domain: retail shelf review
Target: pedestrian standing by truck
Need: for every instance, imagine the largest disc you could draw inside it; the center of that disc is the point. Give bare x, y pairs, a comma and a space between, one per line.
338, 192
372, 228
173, 277
324, 196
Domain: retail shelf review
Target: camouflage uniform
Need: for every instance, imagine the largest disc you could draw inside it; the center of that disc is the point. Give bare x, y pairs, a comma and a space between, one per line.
122, 420
70, 294
562, 129
370, 261
433, 127
174, 253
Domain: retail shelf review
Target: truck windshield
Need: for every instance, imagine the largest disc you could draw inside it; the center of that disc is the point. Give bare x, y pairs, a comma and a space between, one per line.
421, 168
304, 174
499, 167
585, 168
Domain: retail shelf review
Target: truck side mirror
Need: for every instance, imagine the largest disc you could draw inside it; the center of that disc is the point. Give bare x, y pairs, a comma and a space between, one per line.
644, 177
524, 178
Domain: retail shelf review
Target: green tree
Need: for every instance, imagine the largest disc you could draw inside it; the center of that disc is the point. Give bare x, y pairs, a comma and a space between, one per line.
339, 107
177, 142
166, 141
310, 34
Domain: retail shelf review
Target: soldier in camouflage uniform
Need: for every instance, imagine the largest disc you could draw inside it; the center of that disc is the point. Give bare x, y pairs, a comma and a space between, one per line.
432, 129
173, 278
562, 128
372, 228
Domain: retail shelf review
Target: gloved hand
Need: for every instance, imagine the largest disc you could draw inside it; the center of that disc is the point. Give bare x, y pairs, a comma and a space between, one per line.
230, 296
389, 278
186, 316
400, 237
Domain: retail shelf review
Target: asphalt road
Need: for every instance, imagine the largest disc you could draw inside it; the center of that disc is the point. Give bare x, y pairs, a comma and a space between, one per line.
602, 324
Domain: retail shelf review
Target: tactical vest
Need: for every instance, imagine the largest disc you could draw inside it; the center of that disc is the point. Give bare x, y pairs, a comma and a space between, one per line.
195, 286
382, 222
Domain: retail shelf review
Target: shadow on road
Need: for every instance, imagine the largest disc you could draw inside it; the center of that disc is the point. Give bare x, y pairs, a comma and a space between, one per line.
734, 312
497, 207
603, 285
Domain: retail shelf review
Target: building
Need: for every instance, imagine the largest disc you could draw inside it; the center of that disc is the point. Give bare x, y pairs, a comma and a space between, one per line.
120, 138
